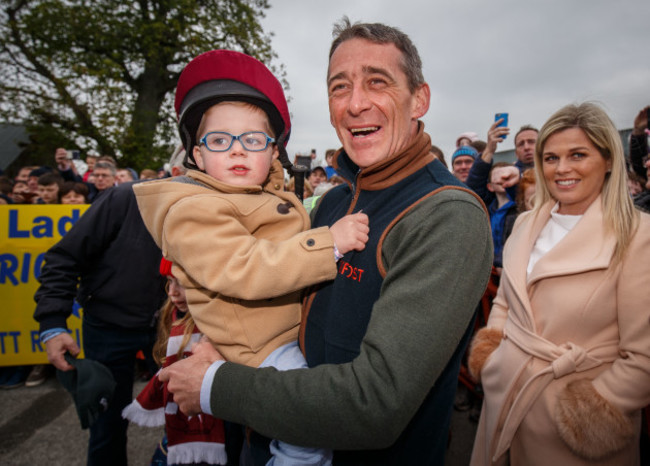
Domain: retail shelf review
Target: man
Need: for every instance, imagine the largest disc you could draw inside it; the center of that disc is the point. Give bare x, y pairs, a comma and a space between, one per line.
317, 176
384, 339
64, 165
525, 141
49, 185
32, 180
104, 175
461, 162
478, 176
112, 258
23, 173
124, 175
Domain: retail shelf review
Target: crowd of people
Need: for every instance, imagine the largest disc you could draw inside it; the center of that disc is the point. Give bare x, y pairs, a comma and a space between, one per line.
330, 326
68, 182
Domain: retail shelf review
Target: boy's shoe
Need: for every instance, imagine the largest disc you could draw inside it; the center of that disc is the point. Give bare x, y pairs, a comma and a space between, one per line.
38, 375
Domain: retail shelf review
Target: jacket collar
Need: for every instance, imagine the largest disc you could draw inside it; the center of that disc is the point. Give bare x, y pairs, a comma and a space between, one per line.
390, 171
274, 183
588, 246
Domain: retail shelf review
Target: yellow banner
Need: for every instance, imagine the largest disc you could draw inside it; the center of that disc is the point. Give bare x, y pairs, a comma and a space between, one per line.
26, 233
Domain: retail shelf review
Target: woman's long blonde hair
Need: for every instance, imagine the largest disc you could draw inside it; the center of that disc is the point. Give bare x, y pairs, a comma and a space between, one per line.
619, 215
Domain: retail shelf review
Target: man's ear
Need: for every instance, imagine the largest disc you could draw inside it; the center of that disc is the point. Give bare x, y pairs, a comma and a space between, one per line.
490, 188
422, 98
198, 158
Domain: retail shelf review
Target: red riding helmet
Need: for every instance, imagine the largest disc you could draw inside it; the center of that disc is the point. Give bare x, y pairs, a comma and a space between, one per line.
224, 75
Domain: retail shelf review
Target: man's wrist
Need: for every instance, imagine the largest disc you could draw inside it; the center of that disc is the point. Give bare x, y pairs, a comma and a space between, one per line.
206, 386
51, 333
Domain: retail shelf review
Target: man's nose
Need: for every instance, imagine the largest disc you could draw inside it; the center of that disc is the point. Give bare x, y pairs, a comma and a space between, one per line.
359, 100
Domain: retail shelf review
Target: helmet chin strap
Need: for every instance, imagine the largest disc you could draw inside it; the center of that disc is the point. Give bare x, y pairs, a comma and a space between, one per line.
189, 161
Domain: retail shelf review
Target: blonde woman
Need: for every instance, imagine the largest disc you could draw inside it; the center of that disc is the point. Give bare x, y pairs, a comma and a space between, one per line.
565, 357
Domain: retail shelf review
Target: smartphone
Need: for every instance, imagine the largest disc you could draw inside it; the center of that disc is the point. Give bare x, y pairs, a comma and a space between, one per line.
73, 155
499, 116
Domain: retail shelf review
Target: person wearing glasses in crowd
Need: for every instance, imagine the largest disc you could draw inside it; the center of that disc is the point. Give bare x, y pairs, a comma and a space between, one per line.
240, 244
104, 174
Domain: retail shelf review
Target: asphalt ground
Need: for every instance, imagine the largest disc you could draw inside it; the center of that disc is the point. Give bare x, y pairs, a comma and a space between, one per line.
39, 426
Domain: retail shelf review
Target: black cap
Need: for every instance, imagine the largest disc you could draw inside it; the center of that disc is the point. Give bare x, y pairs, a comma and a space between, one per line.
91, 386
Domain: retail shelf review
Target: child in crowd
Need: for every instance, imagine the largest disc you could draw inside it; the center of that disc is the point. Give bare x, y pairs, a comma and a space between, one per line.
199, 439
49, 185
239, 243
525, 197
73, 192
503, 210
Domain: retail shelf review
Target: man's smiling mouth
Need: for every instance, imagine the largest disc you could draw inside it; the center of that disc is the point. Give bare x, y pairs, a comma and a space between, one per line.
360, 132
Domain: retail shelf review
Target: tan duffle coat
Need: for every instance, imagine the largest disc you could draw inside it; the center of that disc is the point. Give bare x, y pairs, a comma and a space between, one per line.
243, 254
576, 316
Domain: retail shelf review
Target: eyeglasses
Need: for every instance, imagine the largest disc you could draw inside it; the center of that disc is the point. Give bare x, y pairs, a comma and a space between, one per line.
220, 141
101, 175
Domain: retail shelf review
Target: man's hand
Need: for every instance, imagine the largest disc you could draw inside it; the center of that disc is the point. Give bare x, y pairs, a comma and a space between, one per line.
351, 232
57, 346
493, 139
185, 377
61, 159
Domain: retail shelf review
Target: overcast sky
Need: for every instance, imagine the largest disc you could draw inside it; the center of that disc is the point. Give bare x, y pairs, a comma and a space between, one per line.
527, 58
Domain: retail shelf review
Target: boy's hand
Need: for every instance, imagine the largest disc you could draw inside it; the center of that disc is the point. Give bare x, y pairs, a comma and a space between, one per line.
351, 232
508, 176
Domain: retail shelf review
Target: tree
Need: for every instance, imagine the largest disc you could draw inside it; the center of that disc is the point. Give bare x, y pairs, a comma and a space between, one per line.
101, 73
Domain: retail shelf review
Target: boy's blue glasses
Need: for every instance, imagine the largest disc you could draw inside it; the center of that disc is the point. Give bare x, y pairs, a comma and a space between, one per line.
220, 141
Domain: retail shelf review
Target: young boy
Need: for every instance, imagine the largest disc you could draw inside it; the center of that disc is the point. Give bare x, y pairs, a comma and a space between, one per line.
49, 185
503, 178
240, 244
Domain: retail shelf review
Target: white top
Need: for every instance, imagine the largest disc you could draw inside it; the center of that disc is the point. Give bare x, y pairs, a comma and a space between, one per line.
555, 229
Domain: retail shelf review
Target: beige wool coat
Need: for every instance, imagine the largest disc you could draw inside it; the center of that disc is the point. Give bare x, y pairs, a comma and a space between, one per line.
576, 316
243, 255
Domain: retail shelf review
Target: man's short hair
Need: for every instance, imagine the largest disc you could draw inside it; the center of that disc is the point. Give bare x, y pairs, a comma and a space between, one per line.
107, 158
525, 128
107, 166
50, 178
382, 34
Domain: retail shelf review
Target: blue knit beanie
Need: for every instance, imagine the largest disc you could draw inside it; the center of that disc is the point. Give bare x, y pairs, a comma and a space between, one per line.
464, 150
